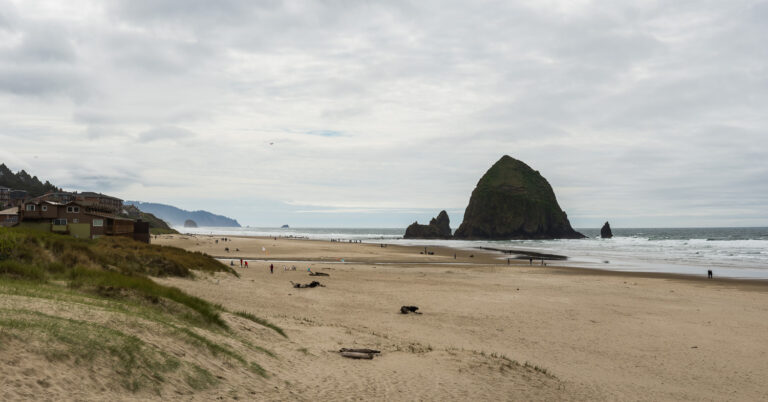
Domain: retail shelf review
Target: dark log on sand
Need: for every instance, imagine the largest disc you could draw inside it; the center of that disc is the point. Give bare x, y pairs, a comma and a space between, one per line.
409, 309
356, 355
307, 285
359, 350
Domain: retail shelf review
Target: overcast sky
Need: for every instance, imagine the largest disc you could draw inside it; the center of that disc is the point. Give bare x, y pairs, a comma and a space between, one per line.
374, 114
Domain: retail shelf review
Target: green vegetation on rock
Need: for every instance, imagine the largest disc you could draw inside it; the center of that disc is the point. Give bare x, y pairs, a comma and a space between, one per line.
513, 201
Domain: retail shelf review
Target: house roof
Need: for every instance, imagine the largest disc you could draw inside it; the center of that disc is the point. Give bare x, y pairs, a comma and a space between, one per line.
108, 216
10, 211
92, 194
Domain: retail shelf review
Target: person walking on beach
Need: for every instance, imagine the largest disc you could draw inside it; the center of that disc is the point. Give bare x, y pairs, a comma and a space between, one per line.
246, 263
709, 274
271, 268
241, 263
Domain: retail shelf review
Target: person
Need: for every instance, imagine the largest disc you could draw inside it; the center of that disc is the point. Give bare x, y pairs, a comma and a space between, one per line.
231, 263
271, 268
241, 263
246, 263
709, 274
530, 261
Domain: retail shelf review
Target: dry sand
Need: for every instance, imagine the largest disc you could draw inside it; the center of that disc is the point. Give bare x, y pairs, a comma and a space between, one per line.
601, 335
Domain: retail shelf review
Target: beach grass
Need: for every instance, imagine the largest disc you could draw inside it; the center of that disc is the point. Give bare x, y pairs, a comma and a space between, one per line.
112, 276
136, 364
261, 321
162, 231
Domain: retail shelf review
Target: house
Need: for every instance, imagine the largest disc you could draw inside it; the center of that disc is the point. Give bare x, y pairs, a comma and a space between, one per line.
5, 197
9, 217
99, 202
62, 197
78, 220
18, 197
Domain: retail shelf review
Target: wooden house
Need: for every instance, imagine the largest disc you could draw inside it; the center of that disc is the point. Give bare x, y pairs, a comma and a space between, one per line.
5, 197
78, 220
9, 217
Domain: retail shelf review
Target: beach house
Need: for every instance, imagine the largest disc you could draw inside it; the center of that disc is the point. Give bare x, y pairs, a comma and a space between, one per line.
5, 197
87, 219
18, 197
9, 217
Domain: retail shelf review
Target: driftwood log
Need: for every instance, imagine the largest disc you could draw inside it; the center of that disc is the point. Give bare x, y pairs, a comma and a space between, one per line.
358, 353
359, 350
409, 309
307, 285
318, 274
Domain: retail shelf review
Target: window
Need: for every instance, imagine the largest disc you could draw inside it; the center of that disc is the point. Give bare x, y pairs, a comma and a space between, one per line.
44, 208
59, 222
75, 220
73, 210
29, 207
98, 222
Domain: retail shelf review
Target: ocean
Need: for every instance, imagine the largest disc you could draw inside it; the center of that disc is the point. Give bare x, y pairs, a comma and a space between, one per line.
729, 252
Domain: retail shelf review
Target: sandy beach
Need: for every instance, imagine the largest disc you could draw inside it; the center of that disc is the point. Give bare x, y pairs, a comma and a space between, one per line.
585, 335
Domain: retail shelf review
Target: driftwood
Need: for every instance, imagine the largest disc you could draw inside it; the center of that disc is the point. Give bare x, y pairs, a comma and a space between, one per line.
318, 274
359, 353
409, 309
356, 355
307, 285
359, 350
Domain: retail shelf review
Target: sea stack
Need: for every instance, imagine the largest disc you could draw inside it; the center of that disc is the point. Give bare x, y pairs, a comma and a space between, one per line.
438, 228
605, 232
513, 201
189, 223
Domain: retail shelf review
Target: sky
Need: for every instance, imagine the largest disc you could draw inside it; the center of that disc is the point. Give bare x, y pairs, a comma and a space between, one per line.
376, 114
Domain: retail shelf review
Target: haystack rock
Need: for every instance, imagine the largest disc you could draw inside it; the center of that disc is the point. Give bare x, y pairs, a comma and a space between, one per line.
513, 201
189, 223
438, 228
605, 231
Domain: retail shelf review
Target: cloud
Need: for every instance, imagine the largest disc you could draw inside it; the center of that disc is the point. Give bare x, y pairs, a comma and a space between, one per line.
325, 133
167, 133
635, 110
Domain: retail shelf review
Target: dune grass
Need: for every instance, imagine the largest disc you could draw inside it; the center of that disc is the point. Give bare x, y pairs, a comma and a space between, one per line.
110, 266
261, 321
53, 252
162, 231
112, 274
137, 364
